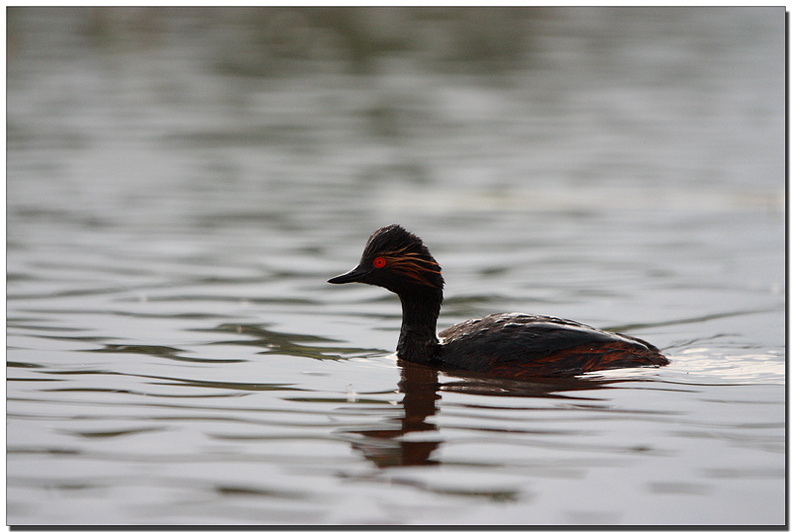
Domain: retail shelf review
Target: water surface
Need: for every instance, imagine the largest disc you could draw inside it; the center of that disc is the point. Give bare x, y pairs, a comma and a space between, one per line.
176, 204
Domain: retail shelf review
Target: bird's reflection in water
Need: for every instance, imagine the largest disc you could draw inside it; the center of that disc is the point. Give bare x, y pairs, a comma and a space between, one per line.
416, 437
405, 445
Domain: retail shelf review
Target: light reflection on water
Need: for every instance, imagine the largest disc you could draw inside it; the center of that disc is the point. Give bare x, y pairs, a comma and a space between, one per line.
175, 355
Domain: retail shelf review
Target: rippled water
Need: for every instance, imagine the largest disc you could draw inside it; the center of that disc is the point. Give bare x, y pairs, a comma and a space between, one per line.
176, 357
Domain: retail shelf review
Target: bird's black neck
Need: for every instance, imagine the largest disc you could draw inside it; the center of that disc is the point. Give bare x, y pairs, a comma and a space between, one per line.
418, 341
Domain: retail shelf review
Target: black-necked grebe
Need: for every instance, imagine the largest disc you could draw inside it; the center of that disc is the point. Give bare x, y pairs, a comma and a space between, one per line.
512, 346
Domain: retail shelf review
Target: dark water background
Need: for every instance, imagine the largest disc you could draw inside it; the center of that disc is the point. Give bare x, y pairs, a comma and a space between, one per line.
182, 182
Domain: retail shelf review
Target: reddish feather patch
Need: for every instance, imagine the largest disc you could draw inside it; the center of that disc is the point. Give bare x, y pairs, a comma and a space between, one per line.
580, 359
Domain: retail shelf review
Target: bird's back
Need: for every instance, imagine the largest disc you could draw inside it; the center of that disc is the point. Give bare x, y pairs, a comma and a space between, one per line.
527, 345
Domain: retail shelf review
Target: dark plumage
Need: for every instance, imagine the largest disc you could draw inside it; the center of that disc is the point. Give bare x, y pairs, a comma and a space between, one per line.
512, 346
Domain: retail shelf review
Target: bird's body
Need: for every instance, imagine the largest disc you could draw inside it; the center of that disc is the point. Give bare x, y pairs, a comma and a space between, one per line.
514, 346
524, 345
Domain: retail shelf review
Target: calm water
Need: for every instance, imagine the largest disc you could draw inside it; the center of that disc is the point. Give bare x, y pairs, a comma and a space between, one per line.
178, 193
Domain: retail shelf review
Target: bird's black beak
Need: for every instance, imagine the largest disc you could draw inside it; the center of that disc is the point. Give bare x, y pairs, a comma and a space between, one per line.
354, 276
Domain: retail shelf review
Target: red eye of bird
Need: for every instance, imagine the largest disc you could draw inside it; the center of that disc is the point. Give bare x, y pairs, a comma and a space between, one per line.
380, 262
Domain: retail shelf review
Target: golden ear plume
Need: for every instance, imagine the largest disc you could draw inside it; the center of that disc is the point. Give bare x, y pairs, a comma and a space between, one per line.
411, 265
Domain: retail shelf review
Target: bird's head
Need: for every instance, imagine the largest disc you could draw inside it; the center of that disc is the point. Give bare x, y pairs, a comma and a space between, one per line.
397, 260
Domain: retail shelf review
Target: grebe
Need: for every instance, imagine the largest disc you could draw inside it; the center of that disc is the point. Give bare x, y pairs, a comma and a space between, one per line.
511, 346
